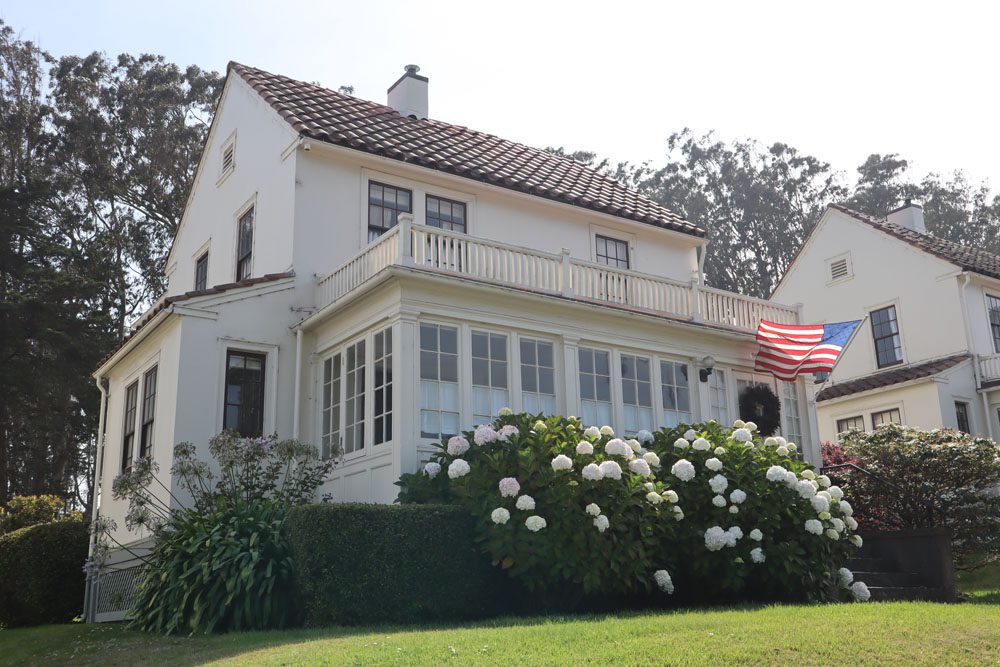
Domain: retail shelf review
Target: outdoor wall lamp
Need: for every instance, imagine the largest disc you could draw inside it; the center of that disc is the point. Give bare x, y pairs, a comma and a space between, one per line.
707, 364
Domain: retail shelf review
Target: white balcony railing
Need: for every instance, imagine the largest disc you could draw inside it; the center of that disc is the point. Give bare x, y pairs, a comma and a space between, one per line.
441, 251
989, 367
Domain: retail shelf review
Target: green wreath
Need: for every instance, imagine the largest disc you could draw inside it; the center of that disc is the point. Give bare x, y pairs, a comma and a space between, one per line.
760, 405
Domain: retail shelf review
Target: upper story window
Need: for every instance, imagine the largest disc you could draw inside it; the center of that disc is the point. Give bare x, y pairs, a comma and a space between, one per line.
962, 416
128, 429
886, 417
440, 407
851, 424
244, 245
243, 409
676, 393
595, 386
613, 252
446, 214
385, 203
993, 309
538, 377
489, 375
201, 272
148, 413
637, 393
885, 331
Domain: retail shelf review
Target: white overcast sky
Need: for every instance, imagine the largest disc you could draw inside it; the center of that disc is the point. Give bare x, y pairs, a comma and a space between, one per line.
839, 80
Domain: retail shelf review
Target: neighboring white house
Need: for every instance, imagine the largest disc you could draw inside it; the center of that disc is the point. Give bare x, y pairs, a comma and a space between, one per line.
349, 274
928, 352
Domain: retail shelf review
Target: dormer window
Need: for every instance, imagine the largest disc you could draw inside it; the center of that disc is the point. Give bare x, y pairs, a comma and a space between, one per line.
385, 203
839, 268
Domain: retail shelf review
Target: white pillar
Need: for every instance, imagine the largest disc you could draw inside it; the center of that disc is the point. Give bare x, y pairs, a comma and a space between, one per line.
571, 377
406, 393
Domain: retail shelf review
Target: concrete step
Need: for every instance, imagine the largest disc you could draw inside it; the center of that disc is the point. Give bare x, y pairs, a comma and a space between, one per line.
886, 593
870, 564
892, 579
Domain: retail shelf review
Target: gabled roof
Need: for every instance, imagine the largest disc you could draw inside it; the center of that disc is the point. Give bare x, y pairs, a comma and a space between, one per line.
324, 115
890, 377
968, 259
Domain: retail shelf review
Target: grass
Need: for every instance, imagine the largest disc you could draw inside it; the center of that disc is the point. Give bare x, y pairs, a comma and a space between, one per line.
982, 585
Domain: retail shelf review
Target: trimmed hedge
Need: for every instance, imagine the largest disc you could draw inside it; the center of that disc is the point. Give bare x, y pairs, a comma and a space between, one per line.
388, 563
41, 573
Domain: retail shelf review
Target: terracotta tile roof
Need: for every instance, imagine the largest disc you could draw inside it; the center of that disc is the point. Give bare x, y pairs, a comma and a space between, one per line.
164, 303
968, 259
890, 377
324, 115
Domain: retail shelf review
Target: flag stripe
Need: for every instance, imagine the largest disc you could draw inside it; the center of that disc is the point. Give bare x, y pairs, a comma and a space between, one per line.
788, 350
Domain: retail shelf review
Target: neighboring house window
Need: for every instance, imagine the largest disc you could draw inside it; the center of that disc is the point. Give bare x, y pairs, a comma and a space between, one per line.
595, 386
244, 248
637, 393
201, 273
538, 377
382, 384
676, 393
886, 417
385, 203
885, 331
962, 416
993, 308
148, 413
354, 398
718, 397
851, 424
330, 432
793, 417
244, 400
613, 252
439, 397
128, 439
445, 214
489, 376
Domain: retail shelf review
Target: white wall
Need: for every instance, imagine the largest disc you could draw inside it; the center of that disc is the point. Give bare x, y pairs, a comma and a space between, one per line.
919, 406
979, 323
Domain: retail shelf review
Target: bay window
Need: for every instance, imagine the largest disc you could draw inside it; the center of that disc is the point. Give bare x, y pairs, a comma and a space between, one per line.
538, 377
637, 393
489, 376
676, 391
439, 396
595, 386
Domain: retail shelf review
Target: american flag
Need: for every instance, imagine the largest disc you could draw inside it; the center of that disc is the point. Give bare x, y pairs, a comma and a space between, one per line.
787, 350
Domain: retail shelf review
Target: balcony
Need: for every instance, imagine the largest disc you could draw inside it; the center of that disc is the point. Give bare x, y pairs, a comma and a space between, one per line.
989, 369
444, 252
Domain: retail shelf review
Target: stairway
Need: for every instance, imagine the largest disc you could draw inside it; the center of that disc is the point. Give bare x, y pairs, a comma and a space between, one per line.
885, 565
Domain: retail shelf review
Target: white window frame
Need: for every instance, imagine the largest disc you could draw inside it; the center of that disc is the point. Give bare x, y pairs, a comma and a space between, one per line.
136, 375
728, 391
619, 405
614, 374
471, 375
872, 351
658, 393
968, 411
464, 374
987, 295
558, 374
250, 203
618, 235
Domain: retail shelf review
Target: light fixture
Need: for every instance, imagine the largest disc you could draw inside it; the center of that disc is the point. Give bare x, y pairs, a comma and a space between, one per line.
707, 364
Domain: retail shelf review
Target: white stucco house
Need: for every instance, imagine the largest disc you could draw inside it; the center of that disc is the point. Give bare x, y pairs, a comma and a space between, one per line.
928, 352
358, 274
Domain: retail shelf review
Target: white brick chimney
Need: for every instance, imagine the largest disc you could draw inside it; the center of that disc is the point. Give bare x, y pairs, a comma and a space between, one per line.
908, 215
408, 96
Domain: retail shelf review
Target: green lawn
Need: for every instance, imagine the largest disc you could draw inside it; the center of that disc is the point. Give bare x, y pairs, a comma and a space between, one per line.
848, 634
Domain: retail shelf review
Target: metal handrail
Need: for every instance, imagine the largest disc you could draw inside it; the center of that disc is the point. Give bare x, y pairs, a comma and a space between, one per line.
929, 506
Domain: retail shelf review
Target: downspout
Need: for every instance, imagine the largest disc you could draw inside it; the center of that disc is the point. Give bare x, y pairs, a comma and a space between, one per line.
298, 381
102, 386
702, 254
975, 357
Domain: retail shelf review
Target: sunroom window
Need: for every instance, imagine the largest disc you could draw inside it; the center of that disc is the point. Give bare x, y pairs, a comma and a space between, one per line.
538, 377
595, 386
439, 395
489, 375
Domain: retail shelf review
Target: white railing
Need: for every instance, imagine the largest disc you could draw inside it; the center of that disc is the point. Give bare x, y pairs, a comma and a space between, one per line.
989, 367
438, 250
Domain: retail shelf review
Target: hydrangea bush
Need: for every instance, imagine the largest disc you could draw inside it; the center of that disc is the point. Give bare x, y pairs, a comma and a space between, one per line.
712, 512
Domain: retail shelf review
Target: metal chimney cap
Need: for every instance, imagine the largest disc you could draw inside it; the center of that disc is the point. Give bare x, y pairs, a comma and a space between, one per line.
412, 69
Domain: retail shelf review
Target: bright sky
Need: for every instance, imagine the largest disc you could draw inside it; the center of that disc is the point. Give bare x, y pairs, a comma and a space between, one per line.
837, 80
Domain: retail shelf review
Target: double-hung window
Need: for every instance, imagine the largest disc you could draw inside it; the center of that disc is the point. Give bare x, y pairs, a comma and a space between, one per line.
385, 203
595, 386
790, 407
538, 377
612, 252
354, 398
382, 385
445, 214
244, 401
440, 407
148, 413
718, 397
637, 393
244, 246
676, 393
489, 375
330, 432
993, 310
962, 416
128, 430
201, 273
848, 424
885, 331
886, 417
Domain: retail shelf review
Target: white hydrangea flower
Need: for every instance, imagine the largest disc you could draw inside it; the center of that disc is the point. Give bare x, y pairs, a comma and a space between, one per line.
738, 496
640, 467
683, 470
820, 504
644, 436
654, 498
732, 534
805, 489
634, 444
681, 443
509, 487
678, 514
845, 508
844, 577
432, 469
836, 493
756, 535
593, 509
505, 412
860, 591
649, 486
719, 451
716, 538
808, 474
540, 426
701, 445
713, 464
652, 459
457, 445
814, 526
739, 423
535, 523
718, 483
782, 451
791, 479
791, 447
824, 481
500, 516
718, 501
825, 494
562, 462
851, 523
506, 431
585, 448
593, 472
484, 434
525, 503
750, 426
601, 523
856, 540
616, 447
663, 581
832, 534
757, 555
611, 469
592, 432
670, 496
779, 441
690, 434
770, 441
607, 431
824, 516
733, 509
742, 435
458, 468
775, 474
838, 525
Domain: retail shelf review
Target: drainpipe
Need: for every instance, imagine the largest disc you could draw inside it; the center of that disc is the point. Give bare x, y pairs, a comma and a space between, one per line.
977, 377
298, 381
102, 386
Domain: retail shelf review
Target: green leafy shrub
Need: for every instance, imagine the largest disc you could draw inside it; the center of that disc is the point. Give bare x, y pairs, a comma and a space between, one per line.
715, 512
23, 511
401, 564
956, 474
41, 573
